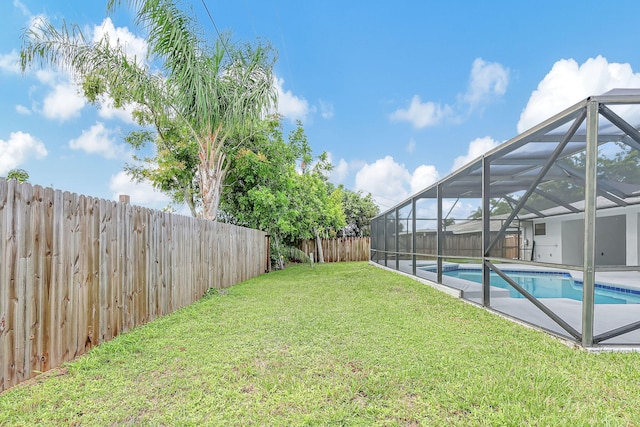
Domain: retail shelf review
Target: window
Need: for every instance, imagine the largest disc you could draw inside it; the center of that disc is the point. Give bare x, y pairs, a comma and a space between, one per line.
540, 229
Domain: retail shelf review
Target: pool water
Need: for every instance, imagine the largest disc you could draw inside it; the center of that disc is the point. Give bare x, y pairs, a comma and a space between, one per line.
544, 285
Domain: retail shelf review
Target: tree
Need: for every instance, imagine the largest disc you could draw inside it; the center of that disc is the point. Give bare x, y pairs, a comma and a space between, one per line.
358, 210
497, 207
624, 166
173, 168
19, 175
265, 190
204, 94
320, 206
260, 176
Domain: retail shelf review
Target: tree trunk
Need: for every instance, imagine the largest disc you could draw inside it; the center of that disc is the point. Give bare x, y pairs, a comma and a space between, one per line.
211, 185
319, 246
280, 258
188, 199
212, 172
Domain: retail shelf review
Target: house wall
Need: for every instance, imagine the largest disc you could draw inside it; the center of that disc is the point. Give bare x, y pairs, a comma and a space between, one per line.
573, 238
548, 247
633, 241
611, 247
526, 247
611, 235
617, 240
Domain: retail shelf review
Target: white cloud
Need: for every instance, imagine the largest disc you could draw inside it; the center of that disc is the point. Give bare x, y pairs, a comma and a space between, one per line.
65, 100
36, 22
488, 80
141, 193
326, 110
98, 140
420, 114
9, 62
133, 46
458, 209
342, 172
411, 146
390, 182
477, 148
568, 83
385, 179
106, 110
47, 76
63, 103
25, 11
20, 147
339, 172
290, 106
21, 109
342, 169
423, 176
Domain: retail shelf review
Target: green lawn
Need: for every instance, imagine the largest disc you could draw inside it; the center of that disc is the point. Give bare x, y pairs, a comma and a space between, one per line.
337, 344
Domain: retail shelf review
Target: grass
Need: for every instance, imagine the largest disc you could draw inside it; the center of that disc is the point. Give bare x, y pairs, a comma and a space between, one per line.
337, 344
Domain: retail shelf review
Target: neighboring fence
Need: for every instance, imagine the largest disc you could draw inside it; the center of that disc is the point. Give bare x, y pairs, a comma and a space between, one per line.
464, 245
76, 271
339, 250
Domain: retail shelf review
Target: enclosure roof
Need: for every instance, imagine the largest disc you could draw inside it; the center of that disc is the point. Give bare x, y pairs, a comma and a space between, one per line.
516, 164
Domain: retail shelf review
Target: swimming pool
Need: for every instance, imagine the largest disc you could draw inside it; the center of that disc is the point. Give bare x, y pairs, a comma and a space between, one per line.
550, 285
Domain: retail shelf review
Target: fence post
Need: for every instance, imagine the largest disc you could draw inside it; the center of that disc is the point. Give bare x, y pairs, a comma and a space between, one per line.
268, 268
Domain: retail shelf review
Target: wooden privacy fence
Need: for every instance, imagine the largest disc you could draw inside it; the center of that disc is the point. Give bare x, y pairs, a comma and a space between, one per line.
76, 271
464, 245
339, 250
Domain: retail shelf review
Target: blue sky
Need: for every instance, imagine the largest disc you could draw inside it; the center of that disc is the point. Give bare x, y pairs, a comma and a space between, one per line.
400, 94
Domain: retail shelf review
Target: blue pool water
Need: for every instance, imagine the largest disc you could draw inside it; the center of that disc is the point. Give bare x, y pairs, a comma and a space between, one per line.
545, 285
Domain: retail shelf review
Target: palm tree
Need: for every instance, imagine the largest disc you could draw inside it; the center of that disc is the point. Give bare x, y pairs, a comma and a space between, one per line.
214, 92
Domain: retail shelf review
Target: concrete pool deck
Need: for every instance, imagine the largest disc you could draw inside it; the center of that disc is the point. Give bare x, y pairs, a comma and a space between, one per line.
606, 316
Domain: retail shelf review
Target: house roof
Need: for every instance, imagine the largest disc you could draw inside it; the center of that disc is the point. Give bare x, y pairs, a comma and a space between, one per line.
475, 225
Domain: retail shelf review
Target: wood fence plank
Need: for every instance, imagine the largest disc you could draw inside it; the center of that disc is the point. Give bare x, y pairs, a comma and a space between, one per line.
215, 256
70, 299
80, 274
177, 266
152, 278
114, 282
7, 290
94, 273
4, 295
105, 271
123, 285
47, 276
24, 292
164, 295
57, 294
147, 268
9, 295
37, 252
